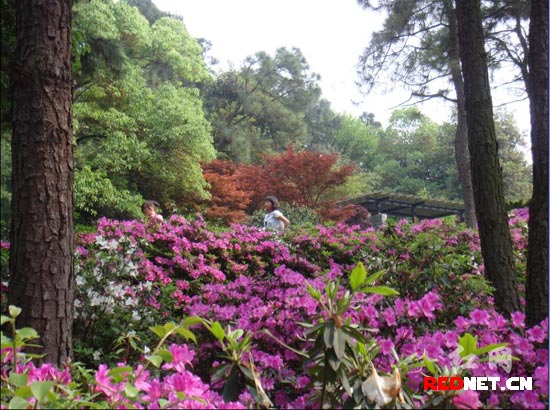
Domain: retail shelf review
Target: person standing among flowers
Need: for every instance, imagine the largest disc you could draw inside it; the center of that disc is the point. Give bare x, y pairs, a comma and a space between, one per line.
274, 220
149, 209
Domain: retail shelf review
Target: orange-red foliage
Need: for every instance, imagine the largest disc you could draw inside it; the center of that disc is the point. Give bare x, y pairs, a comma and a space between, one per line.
228, 202
299, 178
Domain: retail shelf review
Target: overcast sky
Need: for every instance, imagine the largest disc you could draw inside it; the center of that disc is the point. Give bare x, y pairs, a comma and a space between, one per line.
330, 33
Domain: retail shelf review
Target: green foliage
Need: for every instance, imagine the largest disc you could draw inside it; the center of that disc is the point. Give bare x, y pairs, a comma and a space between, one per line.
17, 392
260, 108
139, 125
340, 360
238, 370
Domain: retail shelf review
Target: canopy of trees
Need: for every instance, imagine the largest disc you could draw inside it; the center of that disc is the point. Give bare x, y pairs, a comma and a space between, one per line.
149, 115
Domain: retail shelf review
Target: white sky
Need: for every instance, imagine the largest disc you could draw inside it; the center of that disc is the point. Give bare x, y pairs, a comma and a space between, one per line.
331, 35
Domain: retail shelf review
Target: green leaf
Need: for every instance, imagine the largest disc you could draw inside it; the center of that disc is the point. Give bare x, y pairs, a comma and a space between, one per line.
217, 330
328, 334
24, 392
160, 331
333, 361
489, 348
18, 380
468, 343
40, 390
339, 343
186, 333
166, 355
315, 294
429, 365
27, 333
231, 387
379, 290
5, 319
357, 276
14, 311
18, 403
190, 321
130, 391
117, 371
155, 359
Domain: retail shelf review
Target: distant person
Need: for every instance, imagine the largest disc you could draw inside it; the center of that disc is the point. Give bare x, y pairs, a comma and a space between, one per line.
149, 209
274, 220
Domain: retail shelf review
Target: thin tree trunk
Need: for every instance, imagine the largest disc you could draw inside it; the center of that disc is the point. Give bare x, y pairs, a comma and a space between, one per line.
41, 254
494, 232
461, 137
536, 291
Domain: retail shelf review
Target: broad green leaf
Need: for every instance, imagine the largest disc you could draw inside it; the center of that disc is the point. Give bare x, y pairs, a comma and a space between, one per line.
40, 390
18, 380
186, 333
155, 359
18, 403
217, 330
5, 319
130, 391
357, 276
328, 334
468, 343
379, 290
117, 371
236, 334
339, 343
14, 311
190, 321
231, 387
27, 333
166, 355
24, 392
489, 348
333, 361
160, 331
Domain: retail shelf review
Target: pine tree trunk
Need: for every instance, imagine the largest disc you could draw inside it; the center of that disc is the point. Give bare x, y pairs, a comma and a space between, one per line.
492, 218
461, 137
536, 291
41, 254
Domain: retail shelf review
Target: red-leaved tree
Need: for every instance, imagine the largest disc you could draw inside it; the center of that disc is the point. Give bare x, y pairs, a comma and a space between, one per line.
228, 201
299, 177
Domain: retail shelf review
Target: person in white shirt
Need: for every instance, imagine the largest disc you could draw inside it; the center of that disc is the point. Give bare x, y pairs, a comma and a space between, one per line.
274, 220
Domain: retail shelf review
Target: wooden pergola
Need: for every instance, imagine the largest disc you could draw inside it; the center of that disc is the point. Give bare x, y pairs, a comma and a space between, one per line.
408, 206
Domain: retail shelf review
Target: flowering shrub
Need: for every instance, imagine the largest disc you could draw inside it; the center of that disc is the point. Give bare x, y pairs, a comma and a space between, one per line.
131, 277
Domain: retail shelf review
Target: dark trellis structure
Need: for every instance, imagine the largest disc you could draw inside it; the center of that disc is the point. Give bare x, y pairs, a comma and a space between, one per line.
408, 206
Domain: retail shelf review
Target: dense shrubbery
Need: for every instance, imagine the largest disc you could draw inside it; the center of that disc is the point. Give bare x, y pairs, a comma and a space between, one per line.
258, 293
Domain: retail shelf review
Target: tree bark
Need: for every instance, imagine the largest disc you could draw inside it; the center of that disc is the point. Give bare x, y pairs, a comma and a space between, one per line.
462, 156
41, 253
494, 232
536, 291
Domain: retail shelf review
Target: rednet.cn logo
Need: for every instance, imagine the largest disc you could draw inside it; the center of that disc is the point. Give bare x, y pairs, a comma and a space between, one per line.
476, 383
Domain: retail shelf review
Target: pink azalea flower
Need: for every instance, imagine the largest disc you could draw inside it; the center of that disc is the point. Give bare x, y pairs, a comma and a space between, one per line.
518, 320
468, 399
479, 317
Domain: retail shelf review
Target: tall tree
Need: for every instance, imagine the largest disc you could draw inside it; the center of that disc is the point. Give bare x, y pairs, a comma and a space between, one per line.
537, 251
494, 233
41, 261
418, 46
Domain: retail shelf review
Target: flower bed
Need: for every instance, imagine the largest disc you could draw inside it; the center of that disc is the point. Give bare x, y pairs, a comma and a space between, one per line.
131, 279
